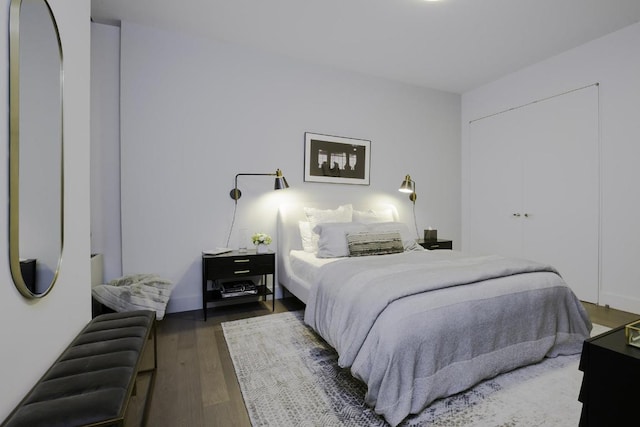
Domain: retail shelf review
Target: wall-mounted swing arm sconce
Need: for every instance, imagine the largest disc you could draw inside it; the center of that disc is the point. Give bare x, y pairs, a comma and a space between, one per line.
279, 184
409, 186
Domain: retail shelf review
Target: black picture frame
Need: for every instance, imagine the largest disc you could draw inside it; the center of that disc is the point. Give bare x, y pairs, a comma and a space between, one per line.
336, 159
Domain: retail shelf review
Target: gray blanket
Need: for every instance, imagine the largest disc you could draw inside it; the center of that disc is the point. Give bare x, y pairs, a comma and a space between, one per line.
467, 319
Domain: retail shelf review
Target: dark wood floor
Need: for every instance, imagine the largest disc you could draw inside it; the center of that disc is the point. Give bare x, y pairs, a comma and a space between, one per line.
608, 316
196, 384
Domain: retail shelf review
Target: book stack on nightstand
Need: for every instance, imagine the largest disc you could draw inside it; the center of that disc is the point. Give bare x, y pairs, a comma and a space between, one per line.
236, 289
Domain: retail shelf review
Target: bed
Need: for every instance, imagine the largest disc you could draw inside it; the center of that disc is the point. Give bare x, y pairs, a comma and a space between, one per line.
417, 325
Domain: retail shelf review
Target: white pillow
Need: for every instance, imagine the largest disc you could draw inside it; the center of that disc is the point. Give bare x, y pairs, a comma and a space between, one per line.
408, 239
332, 242
316, 216
369, 216
306, 235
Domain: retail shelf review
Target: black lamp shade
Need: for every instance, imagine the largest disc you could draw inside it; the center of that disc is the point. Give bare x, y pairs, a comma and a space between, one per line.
280, 182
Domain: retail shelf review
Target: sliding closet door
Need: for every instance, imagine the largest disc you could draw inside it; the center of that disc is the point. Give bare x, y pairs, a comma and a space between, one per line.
561, 189
534, 189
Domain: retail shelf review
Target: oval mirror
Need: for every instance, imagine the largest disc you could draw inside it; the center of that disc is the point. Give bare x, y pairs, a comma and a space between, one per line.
35, 147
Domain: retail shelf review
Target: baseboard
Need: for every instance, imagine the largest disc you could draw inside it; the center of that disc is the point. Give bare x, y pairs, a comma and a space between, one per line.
620, 302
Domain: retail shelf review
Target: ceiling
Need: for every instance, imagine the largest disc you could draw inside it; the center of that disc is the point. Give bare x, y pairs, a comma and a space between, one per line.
452, 45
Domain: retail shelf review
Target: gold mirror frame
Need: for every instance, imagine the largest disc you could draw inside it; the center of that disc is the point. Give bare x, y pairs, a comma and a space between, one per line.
14, 151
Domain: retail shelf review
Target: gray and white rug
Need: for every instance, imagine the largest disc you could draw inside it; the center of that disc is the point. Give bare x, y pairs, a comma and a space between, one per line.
289, 377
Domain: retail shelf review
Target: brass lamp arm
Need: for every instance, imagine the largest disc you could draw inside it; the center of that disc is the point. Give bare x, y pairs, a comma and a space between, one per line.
281, 182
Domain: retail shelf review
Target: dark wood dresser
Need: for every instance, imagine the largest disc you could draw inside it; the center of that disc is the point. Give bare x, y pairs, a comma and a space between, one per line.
611, 379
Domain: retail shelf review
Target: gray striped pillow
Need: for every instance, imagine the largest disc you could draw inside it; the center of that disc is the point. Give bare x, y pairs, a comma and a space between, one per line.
379, 243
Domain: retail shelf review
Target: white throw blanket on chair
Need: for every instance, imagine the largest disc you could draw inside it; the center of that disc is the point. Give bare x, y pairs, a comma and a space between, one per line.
135, 292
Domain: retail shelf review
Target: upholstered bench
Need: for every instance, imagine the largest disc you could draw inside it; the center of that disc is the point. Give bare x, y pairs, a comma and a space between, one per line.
95, 378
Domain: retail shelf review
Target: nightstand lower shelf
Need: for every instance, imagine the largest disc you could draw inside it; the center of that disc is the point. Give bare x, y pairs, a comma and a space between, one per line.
216, 295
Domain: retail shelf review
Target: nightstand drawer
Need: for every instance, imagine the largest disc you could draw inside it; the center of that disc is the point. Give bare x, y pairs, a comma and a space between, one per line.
241, 265
436, 244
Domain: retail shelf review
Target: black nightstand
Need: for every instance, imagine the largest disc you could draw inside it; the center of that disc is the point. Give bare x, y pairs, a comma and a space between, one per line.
611, 376
236, 268
436, 244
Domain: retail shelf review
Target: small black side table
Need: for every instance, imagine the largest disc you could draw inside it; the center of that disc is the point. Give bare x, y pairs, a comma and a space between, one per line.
611, 379
239, 266
436, 244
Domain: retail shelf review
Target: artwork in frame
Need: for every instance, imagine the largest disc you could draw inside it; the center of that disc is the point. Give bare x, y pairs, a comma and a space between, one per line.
336, 159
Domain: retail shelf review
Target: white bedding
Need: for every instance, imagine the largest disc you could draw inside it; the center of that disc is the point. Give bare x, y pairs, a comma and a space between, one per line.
306, 265
417, 326
289, 240
450, 328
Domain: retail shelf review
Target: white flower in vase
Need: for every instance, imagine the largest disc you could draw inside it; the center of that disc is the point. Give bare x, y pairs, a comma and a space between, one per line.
262, 241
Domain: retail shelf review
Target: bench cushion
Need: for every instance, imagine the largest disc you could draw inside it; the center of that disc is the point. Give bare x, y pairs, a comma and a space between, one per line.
91, 381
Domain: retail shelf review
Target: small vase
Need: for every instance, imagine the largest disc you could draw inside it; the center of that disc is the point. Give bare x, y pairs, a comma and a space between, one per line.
261, 248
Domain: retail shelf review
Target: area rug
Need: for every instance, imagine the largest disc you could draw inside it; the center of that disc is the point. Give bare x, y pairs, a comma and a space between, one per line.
290, 377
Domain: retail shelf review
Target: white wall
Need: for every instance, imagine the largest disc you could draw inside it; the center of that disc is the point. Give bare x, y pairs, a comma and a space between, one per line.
613, 61
195, 112
34, 332
105, 147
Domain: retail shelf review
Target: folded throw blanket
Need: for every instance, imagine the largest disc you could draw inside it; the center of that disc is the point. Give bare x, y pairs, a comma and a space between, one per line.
135, 292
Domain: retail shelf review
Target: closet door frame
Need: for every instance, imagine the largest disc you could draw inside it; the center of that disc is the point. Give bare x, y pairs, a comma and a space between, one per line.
555, 142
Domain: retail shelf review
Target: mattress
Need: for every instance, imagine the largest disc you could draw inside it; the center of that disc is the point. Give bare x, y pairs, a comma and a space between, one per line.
306, 265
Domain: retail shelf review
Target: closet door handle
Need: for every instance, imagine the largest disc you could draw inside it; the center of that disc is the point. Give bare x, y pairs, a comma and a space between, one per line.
516, 214
526, 215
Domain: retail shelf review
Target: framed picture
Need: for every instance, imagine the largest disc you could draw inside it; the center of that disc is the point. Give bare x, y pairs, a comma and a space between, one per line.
336, 159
